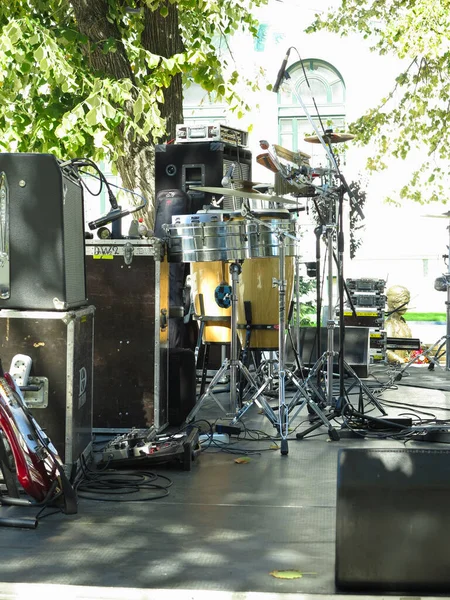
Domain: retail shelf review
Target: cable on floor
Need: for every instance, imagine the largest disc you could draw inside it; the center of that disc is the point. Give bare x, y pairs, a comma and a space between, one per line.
109, 485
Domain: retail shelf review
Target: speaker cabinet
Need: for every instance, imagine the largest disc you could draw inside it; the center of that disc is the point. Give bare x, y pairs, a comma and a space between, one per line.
42, 218
203, 164
393, 520
356, 349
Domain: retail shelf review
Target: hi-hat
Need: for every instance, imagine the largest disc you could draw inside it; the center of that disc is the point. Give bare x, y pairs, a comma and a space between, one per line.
241, 194
295, 157
330, 138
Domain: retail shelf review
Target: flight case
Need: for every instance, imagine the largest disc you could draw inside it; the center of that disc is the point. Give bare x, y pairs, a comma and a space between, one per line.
60, 345
127, 282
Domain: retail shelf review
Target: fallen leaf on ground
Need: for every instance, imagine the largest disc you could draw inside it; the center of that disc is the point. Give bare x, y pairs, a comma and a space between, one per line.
289, 574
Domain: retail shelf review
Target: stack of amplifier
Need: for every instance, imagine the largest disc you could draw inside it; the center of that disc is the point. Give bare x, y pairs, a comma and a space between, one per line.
369, 302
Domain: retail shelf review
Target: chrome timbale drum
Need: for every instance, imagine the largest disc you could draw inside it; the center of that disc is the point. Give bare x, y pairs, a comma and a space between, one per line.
261, 231
233, 238
205, 242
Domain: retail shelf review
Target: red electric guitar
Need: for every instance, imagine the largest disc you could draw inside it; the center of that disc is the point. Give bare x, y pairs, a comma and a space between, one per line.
39, 469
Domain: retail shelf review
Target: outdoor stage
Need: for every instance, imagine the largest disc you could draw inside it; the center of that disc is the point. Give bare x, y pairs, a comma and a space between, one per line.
222, 531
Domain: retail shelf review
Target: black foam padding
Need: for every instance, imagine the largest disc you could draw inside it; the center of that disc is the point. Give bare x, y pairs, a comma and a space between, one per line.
393, 520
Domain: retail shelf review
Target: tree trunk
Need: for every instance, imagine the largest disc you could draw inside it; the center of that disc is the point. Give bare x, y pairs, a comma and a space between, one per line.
161, 35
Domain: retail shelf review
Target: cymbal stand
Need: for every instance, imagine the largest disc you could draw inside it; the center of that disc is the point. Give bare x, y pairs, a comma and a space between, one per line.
344, 367
282, 420
230, 366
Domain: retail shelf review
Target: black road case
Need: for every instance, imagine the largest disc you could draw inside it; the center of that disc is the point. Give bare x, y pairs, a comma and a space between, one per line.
127, 282
60, 345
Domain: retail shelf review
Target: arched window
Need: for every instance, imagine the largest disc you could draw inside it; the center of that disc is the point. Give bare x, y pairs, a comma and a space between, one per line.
199, 106
318, 80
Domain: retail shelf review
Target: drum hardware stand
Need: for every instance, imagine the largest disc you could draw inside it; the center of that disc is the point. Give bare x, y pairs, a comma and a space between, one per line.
342, 401
282, 421
299, 367
260, 363
232, 365
334, 167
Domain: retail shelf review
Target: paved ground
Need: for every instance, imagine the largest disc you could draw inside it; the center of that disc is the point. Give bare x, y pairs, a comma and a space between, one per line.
224, 529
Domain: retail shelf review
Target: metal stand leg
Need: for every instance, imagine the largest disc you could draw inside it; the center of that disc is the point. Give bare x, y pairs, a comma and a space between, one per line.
281, 422
233, 366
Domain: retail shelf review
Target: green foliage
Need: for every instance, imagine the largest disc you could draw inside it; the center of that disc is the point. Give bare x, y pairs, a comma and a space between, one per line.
53, 99
306, 290
415, 316
359, 196
50, 103
415, 115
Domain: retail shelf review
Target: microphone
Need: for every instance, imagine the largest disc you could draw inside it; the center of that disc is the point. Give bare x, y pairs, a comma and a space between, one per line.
113, 215
226, 180
281, 73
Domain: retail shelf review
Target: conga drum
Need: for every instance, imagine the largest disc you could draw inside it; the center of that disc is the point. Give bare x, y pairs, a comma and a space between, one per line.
255, 283
205, 277
208, 240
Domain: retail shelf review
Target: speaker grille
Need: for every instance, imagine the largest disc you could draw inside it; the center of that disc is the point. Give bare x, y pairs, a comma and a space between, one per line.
73, 243
46, 219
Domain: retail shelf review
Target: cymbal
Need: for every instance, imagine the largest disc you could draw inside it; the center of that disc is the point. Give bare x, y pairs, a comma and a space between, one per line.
265, 160
295, 157
330, 138
244, 184
241, 194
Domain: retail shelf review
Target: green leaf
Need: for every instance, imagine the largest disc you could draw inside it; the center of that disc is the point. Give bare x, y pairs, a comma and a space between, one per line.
43, 64
289, 574
39, 53
138, 107
92, 116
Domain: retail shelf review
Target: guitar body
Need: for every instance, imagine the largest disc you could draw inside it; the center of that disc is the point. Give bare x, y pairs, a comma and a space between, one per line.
39, 469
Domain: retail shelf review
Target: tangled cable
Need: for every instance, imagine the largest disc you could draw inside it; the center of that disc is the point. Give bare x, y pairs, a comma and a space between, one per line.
110, 485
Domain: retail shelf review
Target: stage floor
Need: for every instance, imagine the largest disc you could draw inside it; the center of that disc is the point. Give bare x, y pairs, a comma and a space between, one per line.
222, 531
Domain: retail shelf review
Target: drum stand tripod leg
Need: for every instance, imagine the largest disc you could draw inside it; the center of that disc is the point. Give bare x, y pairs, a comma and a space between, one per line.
209, 393
234, 366
282, 421
310, 390
235, 271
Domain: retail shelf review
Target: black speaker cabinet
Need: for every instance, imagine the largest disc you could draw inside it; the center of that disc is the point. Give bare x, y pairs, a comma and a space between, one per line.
203, 164
356, 349
42, 218
393, 520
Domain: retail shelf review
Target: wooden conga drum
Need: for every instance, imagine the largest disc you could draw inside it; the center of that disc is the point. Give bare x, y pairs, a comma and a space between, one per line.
255, 284
205, 277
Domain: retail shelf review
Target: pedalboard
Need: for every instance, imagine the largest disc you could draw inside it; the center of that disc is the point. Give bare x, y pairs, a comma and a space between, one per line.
142, 447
